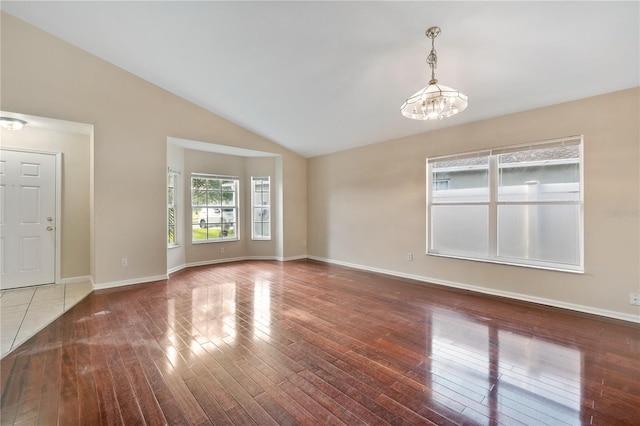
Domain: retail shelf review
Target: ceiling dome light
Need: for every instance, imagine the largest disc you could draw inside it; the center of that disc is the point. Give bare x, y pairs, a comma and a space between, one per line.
436, 101
12, 123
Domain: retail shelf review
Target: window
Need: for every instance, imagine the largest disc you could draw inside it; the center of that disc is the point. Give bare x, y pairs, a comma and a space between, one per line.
518, 205
261, 208
172, 185
214, 208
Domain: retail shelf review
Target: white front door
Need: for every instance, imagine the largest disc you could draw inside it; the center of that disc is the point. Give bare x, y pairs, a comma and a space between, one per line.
27, 218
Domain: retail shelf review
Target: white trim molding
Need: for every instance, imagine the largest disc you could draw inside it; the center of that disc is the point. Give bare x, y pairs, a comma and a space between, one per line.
75, 280
141, 280
290, 258
506, 294
233, 259
214, 261
175, 269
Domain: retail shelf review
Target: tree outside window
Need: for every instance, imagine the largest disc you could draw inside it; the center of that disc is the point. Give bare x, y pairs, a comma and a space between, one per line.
172, 185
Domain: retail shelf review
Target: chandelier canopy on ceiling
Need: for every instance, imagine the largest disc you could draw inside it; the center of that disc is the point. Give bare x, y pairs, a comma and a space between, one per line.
436, 101
11, 123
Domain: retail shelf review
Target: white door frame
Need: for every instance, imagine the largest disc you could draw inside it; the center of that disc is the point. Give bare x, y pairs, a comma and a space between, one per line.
58, 186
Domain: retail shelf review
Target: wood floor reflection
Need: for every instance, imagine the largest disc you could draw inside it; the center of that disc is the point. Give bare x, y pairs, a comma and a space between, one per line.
305, 342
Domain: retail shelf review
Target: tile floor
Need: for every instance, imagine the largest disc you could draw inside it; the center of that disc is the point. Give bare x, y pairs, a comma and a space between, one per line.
25, 311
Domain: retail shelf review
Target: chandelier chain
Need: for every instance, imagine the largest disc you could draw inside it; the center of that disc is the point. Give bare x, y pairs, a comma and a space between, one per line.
432, 60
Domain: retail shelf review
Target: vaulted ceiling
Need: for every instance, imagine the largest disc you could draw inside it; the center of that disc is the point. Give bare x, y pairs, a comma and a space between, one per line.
319, 77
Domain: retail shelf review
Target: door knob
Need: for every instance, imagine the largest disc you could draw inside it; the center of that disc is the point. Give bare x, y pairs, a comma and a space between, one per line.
49, 228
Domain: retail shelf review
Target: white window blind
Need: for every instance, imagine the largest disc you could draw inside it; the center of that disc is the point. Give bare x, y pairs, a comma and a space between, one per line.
518, 205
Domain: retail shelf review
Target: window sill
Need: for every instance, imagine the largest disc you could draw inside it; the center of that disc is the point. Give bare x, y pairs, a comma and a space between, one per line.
215, 241
556, 268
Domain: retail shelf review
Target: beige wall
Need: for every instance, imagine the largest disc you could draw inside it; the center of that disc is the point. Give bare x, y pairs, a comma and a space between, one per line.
368, 205
44, 76
244, 168
74, 224
193, 161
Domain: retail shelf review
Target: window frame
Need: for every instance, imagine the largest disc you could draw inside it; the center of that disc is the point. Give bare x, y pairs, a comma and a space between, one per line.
221, 206
254, 220
175, 174
493, 203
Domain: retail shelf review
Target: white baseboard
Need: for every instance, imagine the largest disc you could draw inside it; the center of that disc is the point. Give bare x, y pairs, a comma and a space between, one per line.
507, 294
141, 280
75, 280
290, 258
419, 278
214, 261
280, 259
234, 259
175, 269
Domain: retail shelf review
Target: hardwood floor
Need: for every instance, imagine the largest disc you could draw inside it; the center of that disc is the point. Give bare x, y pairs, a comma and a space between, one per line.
305, 342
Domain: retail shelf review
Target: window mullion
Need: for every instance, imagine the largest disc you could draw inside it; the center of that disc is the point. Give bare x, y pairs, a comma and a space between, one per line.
493, 206
213, 218
428, 207
261, 203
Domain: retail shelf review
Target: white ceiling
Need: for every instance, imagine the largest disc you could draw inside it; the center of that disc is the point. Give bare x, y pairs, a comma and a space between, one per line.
319, 77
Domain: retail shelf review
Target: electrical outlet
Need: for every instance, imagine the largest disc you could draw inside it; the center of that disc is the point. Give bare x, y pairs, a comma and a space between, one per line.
124, 262
221, 249
410, 257
634, 298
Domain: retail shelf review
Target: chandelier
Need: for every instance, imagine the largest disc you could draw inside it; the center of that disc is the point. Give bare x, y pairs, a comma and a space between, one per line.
436, 101
11, 123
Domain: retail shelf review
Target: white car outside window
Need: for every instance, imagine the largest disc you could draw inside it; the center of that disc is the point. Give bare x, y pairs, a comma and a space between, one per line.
212, 216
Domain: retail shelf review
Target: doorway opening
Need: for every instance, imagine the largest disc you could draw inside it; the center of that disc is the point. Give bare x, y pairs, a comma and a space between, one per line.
46, 160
